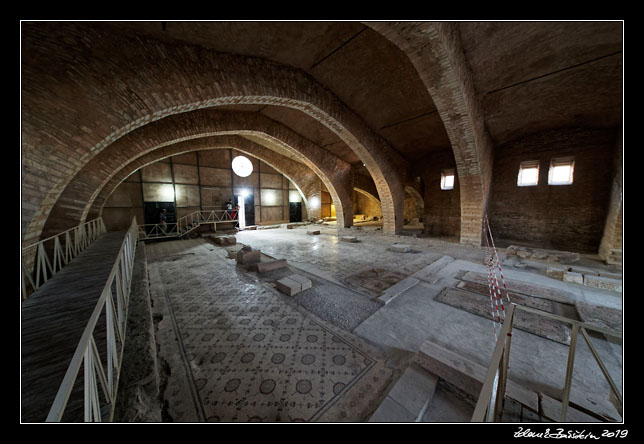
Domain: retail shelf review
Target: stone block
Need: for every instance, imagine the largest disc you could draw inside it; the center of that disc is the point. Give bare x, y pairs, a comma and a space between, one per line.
263, 267
603, 283
556, 273
304, 282
466, 374
390, 411
390, 293
246, 256
313, 232
348, 239
400, 248
414, 388
574, 278
224, 240
288, 226
430, 273
288, 286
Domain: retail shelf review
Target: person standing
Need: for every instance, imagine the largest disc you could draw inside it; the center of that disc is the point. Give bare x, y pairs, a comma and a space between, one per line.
163, 220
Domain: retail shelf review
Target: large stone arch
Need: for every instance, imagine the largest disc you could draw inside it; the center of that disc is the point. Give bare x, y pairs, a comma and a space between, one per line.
74, 203
435, 50
81, 96
305, 180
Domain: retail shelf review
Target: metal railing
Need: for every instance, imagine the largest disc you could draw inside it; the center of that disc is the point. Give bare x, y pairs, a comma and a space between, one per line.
490, 402
42, 260
184, 224
102, 369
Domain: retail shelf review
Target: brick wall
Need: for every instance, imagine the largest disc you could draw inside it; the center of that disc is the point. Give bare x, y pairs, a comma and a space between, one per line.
435, 50
202, 180
77, 102
566, 217
74, 203
442, 207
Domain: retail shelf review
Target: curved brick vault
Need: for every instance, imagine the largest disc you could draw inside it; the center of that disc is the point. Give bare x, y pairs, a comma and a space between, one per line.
74, 203
305, 180
435, 50
85, 95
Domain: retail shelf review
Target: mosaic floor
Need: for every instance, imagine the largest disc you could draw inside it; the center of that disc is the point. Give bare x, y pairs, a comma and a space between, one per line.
250, 353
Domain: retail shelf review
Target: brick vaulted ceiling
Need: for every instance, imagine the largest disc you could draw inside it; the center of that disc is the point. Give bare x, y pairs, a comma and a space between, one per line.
527, 77
530, 76
363, 69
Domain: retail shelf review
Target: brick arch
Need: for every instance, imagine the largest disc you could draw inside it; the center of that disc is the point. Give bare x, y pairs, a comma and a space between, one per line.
74, 203
80, 98
305, 180
435, 51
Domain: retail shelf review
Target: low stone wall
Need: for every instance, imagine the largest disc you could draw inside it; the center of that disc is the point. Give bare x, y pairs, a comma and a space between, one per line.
138, 397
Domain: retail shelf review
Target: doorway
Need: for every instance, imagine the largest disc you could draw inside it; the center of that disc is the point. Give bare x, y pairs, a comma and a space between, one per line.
295, 211
152, 211
249, 208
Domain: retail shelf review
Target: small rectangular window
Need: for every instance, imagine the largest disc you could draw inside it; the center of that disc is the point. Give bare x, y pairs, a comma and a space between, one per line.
561, 171
447, 179
528, 173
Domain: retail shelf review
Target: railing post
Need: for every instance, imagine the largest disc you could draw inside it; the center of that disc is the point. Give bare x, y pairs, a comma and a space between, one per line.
569, 369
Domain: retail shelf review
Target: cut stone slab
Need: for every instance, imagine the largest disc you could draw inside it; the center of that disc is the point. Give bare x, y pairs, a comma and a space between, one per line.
288, 226
400, 248
467, 375
429, 273
313, 232
390, 411
555, 273
414, 388
263, 267
389, 294
305, 283
603, 283
573, 278
348, 238
288, 286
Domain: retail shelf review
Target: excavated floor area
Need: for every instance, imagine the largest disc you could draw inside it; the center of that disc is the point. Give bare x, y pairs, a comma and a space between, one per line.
231, 348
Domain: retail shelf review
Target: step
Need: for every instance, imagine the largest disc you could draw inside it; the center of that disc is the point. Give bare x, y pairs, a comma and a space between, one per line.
466, 374
408, 399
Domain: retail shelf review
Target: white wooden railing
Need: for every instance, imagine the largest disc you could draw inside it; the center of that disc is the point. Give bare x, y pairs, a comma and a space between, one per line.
490, 402
184, 224
113, 304
42, 260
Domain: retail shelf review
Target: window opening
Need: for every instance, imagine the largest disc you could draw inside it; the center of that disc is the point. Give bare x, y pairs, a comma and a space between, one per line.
561, 171
528, 173
447, 179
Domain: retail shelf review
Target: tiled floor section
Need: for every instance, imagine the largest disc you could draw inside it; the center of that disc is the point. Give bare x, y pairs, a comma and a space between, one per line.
254, 355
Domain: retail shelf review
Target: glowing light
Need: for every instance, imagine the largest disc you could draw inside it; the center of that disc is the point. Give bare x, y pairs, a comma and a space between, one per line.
314, 202
245, 192
242, 166
167, 193
269, 197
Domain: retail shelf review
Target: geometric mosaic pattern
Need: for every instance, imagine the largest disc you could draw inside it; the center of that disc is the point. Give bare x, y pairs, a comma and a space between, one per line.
255, 355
